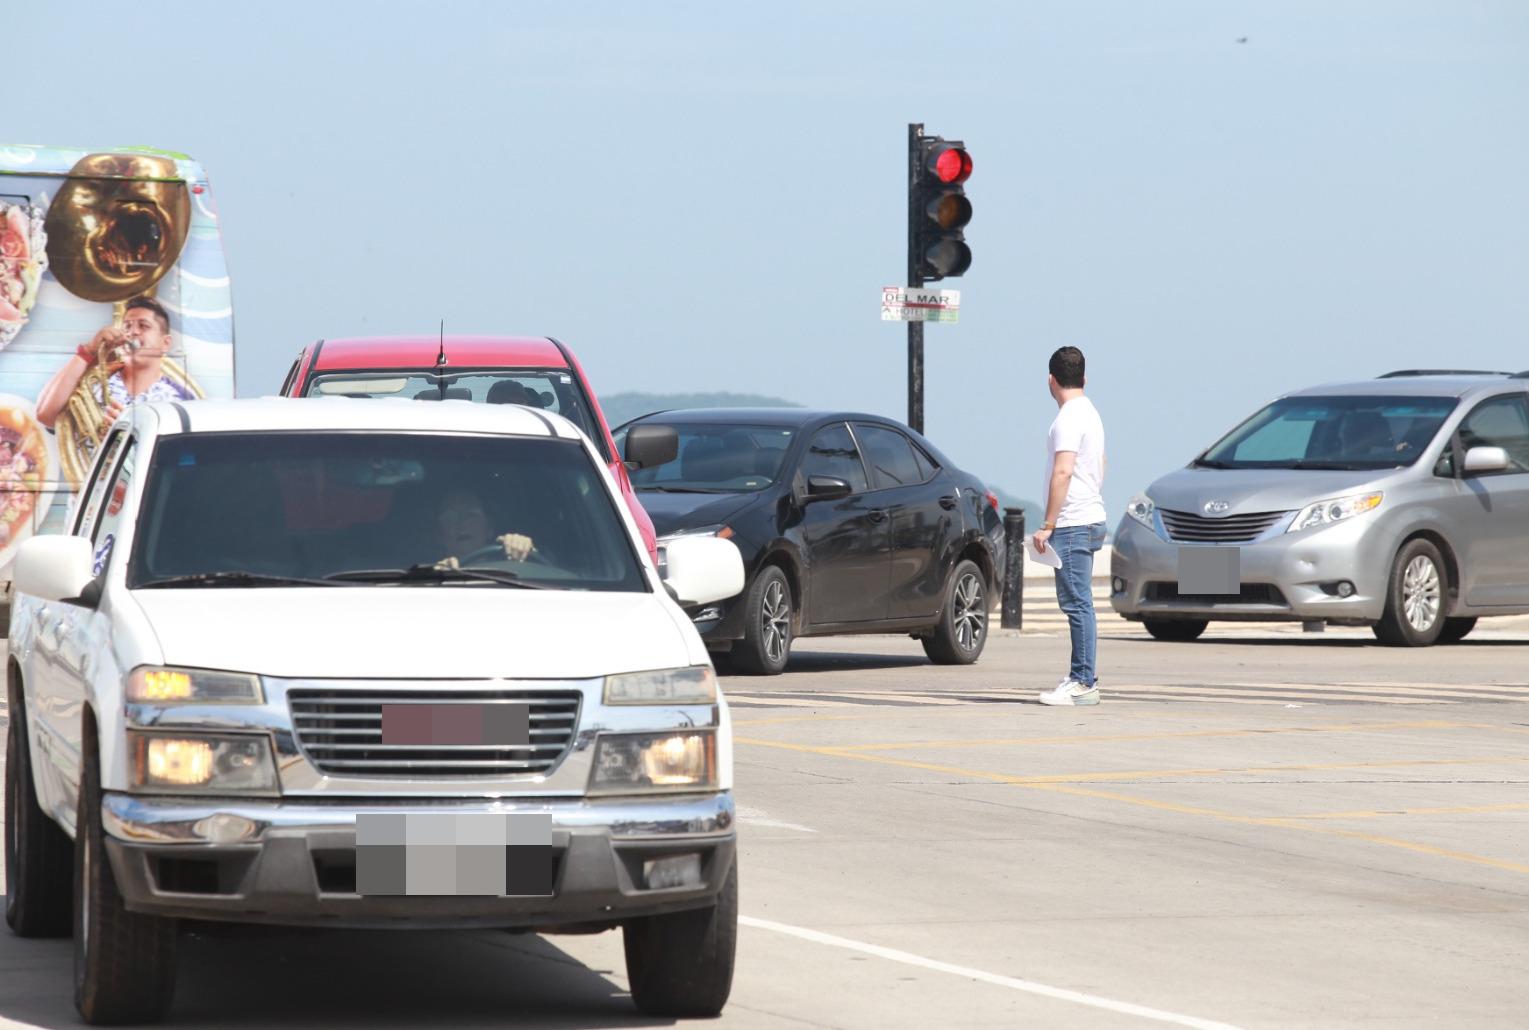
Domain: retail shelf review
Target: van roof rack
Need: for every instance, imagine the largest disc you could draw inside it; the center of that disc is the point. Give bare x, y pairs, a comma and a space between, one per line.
1403, 373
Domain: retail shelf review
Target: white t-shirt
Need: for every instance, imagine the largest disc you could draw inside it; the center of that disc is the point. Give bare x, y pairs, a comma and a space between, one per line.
1078, 428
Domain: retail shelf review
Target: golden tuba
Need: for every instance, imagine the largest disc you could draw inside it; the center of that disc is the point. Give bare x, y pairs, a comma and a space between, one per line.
117, 225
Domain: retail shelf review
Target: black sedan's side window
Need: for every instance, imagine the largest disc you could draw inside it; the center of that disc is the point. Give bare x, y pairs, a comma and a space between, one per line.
833, 453
890, 457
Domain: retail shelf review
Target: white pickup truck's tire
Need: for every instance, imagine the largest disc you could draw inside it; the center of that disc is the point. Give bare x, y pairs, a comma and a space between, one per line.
682, 964
37, 899
124, 962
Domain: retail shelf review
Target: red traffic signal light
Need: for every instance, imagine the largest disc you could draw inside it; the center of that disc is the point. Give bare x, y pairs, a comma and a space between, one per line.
938, 210
949, 164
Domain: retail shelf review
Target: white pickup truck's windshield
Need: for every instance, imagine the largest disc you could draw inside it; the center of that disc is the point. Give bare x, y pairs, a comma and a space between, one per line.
1355, 433
282, 509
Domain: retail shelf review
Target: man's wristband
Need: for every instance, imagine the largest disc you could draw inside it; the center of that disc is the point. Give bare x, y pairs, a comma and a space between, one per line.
1048, 525
86, 353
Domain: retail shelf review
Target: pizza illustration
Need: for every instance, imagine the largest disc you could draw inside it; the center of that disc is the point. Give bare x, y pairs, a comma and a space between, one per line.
23, 256
28, 466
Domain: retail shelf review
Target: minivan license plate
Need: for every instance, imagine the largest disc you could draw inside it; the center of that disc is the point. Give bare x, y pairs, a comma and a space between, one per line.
1210, 570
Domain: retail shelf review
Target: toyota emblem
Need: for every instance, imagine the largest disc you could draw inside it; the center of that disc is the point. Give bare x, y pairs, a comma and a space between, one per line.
1216, 507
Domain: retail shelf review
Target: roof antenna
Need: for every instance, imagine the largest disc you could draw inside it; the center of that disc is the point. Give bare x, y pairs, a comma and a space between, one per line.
440, 362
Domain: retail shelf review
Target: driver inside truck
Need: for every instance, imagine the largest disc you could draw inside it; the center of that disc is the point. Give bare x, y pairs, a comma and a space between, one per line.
463, 528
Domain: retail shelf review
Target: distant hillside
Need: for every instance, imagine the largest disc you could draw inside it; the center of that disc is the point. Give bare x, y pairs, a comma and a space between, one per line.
619, 407
1033, 514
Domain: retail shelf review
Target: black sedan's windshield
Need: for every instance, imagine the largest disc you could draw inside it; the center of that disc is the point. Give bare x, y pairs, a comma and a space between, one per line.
297, 509
1332, 433
719, 458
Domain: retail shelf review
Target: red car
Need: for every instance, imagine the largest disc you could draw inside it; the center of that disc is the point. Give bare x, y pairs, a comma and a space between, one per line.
537, 372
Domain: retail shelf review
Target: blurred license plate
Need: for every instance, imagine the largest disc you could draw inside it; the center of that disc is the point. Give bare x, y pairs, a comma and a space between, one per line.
504, 725
479, 854
1210, 570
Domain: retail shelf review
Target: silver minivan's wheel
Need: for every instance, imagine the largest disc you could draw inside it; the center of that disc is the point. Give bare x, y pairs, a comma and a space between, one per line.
37, 897
1416, 598
124, 962
681, 964
961, 633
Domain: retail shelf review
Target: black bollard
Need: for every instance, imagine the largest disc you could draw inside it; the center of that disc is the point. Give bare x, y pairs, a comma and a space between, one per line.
1013, 568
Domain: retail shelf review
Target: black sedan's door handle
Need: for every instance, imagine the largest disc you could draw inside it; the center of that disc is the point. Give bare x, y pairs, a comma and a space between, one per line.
948, 502
876, 515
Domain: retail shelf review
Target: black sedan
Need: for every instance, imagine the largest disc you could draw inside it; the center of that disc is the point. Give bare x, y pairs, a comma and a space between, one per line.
848, 524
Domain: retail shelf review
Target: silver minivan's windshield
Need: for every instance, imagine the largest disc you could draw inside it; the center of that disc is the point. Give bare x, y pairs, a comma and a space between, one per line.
282, 509
1332, 433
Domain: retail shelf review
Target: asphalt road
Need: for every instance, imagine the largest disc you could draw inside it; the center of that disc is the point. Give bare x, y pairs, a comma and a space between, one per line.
1261, 829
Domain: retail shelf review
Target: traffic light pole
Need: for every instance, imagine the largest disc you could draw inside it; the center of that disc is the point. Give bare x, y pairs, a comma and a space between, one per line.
915, 281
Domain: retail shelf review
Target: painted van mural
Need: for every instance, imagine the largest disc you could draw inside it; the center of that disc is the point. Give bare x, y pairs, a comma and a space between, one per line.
113, 290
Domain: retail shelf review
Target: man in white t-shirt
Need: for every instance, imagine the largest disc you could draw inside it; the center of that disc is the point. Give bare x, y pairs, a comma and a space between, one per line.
1075, 519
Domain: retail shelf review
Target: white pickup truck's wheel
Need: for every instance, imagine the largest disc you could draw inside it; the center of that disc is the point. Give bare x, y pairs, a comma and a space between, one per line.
124, 962
682, 964
37, 895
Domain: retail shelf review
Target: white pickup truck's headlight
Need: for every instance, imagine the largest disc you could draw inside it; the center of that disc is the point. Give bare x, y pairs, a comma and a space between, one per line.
667, 760
1141, 508
175, 763
153, 685
1336, 510
692, 685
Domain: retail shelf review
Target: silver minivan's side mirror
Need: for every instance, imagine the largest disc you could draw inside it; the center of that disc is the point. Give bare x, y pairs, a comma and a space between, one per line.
1487, 459
703, 569
55, 568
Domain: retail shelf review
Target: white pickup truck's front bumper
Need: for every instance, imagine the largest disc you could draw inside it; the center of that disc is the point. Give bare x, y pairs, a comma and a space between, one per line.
293, 861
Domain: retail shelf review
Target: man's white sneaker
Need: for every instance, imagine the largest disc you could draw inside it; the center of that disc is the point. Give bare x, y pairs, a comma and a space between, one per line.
1071, 692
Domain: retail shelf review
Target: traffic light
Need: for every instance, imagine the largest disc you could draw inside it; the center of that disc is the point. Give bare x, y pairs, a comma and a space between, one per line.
938, 210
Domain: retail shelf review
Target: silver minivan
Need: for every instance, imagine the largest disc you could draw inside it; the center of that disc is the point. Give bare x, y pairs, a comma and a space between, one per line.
1401, 503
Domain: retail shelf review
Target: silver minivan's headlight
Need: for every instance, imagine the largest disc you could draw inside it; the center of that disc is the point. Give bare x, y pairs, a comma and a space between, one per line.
1337, 509
692, 685
1141, 508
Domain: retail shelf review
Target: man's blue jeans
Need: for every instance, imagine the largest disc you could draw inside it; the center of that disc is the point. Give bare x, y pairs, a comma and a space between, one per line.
1075, 546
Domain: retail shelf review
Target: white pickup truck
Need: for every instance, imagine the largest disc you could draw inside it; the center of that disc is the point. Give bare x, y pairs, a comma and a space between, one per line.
390, 664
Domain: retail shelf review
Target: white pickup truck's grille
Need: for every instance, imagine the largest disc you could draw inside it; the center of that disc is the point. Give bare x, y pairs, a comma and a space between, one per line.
341, 733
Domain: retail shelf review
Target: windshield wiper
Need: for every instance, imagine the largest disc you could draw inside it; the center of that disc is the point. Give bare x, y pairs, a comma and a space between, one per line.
1339, 466
685, 490
1207, 463
433, 574
237, 578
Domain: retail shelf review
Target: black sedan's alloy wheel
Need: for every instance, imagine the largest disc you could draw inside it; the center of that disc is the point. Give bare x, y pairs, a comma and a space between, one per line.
961, 634
37, 897
766, 643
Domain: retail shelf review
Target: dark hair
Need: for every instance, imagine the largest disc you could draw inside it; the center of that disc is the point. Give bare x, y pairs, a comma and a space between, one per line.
1067, 368
150, 304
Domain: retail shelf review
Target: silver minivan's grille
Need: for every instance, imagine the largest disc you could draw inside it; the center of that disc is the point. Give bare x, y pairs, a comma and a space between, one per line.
341, 733
1232, 529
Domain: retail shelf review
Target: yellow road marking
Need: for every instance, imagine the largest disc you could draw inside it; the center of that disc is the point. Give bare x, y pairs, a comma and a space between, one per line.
1053, 786
1509, 806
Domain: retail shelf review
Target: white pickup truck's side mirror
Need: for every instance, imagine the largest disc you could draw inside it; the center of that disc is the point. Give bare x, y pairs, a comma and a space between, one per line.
1486, 459
703, 569
54, 568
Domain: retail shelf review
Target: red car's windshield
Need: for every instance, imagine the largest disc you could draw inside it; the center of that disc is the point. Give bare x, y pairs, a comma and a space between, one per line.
546, 388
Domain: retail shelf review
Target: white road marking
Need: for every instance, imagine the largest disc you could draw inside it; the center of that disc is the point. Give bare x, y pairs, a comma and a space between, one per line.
759, 817
1013, 983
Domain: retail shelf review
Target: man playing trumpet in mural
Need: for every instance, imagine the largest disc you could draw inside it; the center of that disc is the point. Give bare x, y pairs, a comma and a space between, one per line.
122, 364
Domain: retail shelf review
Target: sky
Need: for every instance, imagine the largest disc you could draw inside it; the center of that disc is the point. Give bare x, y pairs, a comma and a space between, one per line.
701, 196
